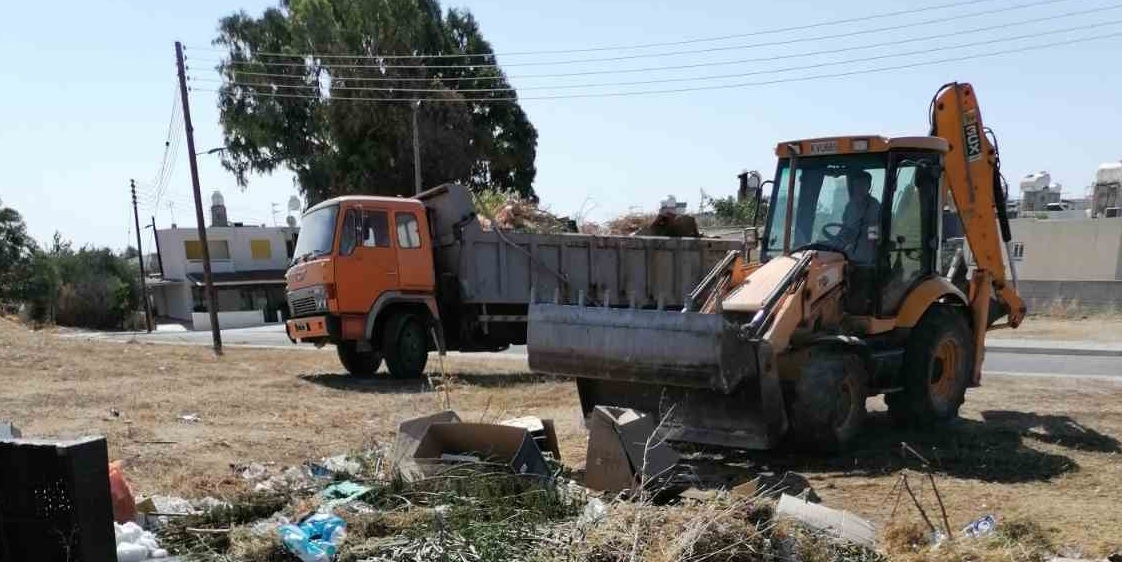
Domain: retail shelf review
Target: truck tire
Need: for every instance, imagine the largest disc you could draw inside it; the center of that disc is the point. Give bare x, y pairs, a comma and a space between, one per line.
826, 402
405, 343
358, 363
938, 361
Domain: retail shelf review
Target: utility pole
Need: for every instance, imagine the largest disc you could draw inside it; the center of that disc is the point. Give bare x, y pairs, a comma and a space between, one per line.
416, 149
159, 254
140, 258
212, 299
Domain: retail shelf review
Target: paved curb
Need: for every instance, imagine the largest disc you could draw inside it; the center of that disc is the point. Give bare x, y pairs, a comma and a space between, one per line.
1074, 351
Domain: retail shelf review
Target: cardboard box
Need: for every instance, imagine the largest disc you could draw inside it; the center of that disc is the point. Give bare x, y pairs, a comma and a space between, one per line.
409, 435
617, 443
510, 446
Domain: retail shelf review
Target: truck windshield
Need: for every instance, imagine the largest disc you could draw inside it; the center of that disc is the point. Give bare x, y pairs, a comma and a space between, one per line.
837, 204
317, 234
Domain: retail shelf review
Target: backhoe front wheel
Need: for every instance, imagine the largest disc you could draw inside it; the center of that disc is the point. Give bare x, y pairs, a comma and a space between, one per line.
826, 403
938, 361
358, 363
406, 345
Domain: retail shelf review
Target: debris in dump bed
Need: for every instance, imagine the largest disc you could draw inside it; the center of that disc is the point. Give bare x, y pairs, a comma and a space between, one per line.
510, 211
841, 524
622, 450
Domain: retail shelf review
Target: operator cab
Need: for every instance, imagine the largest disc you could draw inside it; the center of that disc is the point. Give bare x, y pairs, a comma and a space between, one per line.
874, 200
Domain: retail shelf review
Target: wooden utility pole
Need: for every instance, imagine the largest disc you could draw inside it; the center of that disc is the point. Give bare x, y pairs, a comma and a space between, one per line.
211, 297
159, 254
140, 258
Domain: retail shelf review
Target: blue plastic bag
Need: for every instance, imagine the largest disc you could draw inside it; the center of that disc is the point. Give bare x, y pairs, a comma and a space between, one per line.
316, 539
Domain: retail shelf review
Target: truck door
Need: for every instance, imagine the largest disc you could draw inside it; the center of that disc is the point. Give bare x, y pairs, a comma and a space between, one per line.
367, 264
414, 257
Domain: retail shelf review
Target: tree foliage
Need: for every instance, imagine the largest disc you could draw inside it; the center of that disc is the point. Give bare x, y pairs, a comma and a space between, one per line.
280, 108
732, 211
16, 252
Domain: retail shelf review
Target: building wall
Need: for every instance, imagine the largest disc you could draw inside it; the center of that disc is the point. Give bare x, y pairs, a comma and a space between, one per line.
1068, 250
1101, 296
238, 238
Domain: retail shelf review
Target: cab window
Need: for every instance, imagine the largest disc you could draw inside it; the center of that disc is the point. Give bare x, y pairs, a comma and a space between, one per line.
348, 237
408, 235
375, 229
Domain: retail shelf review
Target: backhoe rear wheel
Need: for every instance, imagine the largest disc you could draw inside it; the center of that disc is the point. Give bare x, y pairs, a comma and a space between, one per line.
938, 361
358, 363
406, 345
826, 404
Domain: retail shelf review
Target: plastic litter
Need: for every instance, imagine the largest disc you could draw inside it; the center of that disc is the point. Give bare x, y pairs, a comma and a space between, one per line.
135, 544
343, 492
982, 526
316, 539
124, 505
189, 418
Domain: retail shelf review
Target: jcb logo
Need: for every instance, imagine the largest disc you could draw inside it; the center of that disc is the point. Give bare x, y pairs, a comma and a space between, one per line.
972, 132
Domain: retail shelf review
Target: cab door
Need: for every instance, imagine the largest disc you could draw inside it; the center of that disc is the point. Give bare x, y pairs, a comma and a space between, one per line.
414, 256
908, 249
367, 262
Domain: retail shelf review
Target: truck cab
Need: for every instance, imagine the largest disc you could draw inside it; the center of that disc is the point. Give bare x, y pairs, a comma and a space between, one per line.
362, 278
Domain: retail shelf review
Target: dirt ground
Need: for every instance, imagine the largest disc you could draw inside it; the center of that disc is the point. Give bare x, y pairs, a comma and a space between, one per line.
1100, 328
1038, 448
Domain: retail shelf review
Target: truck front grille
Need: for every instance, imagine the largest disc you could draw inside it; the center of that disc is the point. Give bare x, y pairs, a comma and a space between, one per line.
300, 305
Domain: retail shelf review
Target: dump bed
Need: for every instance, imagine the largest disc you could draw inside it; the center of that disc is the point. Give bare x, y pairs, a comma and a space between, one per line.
488, 266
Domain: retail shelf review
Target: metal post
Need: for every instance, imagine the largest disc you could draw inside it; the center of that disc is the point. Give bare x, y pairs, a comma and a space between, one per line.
140, 258
212, 298
416, 150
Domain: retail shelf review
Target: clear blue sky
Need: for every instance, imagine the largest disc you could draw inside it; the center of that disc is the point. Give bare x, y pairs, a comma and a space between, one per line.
87, 89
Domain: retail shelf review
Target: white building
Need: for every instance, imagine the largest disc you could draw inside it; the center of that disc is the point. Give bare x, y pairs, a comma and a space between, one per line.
247, 266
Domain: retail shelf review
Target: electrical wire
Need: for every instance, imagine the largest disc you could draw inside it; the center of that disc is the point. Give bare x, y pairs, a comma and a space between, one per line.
697, 88
801, 27
697, 78
641, 55
684, 66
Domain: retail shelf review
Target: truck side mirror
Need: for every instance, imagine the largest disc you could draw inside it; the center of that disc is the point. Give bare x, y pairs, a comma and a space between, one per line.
751, 241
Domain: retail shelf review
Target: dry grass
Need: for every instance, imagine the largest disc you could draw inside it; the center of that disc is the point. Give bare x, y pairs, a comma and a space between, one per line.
1033, 449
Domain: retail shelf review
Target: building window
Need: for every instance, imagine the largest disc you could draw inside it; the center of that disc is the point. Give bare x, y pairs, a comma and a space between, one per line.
261, 249
1018, 250
219, 250
375, 229
407, 234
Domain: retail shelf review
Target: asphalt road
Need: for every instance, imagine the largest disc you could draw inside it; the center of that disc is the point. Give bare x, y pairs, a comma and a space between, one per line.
1037, 363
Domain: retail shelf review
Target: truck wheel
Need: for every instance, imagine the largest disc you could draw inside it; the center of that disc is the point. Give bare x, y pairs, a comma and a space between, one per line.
358, 363
826, 404
937, 367
406, 346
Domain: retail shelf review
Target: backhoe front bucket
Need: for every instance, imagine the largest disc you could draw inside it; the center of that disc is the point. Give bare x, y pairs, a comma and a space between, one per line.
691, 370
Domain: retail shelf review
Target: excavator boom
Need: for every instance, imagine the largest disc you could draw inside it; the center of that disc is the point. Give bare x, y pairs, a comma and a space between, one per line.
972, 171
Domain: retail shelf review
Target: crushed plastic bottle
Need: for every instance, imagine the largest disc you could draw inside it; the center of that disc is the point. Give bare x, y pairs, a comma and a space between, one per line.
316, 539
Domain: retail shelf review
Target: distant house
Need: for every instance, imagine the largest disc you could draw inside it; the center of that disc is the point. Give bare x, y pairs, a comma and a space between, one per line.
247, 264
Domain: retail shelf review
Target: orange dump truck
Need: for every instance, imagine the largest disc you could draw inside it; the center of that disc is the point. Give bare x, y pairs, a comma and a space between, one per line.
394, 278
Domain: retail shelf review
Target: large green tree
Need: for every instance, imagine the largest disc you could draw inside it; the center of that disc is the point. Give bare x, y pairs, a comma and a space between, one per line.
16, 251
317, 115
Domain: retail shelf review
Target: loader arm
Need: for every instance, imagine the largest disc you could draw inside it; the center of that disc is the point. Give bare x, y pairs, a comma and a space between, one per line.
973, 177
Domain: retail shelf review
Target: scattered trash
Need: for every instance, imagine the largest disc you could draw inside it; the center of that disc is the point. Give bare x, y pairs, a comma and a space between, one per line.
343, 492
9, 431
699, 495
114, 413
594, 511
315, 539
409, 434
501, 444
124, 505
254, 471
189, 418
339, 464
135, 544
984, 525
841, 524
543, 431
618, 453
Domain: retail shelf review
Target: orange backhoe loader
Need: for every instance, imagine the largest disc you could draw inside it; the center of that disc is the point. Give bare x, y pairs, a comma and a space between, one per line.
846, 301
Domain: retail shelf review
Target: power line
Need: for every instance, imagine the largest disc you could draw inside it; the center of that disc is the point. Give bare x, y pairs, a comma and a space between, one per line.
704, 88
641, 55
702, 78
676, 67
643, 45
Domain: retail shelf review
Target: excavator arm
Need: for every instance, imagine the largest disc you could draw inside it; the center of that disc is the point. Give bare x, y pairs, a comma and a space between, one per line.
973, 177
